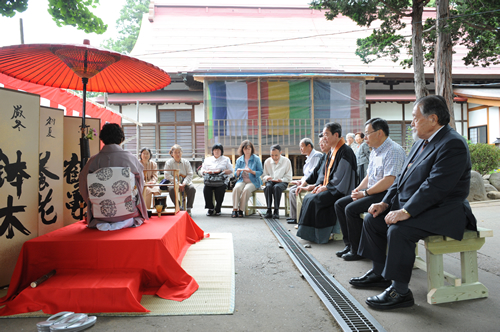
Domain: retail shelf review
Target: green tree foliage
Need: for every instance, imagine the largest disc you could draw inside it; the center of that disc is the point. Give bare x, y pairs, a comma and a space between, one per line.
75, 13
128, 26
485, 158
11, 8
473, 23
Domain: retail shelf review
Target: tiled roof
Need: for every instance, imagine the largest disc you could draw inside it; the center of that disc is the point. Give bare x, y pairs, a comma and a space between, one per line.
199, 38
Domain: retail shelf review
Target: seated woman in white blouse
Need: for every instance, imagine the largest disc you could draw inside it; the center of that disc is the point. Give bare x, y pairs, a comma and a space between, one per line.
215, 164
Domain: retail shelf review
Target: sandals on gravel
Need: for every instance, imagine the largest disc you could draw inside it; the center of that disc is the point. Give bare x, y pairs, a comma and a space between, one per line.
57, 318
75, 323
66, 321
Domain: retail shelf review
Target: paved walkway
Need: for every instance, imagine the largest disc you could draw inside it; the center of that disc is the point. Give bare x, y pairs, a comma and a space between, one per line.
271, 295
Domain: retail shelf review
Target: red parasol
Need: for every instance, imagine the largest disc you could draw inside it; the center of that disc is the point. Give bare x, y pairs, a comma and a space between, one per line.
81, 67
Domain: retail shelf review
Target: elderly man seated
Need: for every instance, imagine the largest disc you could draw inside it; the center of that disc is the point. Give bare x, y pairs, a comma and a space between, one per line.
111, 184
338, 178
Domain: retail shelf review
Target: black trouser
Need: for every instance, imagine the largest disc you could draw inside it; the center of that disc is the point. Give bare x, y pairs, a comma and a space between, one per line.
209, 199
274, 189
391, 248
348, 212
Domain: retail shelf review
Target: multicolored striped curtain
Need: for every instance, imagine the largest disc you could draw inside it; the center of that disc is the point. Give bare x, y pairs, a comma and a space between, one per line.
282, 102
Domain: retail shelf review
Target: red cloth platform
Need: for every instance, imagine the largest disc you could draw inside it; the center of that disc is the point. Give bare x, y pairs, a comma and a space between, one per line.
109, 271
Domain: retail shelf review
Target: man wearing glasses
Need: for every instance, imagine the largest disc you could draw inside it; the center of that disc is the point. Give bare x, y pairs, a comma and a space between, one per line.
386, 161
429, 197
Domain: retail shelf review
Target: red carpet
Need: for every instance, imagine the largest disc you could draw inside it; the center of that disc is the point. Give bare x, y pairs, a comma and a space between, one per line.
104, 271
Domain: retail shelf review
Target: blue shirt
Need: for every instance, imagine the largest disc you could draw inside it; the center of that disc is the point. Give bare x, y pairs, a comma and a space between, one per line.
385, 160
311, 162
254, 164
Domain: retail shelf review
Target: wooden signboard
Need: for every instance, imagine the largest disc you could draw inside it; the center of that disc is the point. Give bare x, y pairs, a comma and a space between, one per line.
19, 134
71, 165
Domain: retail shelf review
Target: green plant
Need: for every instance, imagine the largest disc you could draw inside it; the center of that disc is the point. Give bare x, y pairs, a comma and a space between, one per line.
485, 158
408, 139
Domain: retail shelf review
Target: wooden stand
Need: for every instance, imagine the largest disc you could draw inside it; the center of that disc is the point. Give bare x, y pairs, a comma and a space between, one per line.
176, 192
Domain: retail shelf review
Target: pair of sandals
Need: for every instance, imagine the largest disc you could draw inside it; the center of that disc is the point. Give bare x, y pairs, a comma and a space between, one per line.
66, 321
237, 214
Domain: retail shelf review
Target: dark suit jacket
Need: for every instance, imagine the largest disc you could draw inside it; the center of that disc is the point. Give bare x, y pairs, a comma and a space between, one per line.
435, 188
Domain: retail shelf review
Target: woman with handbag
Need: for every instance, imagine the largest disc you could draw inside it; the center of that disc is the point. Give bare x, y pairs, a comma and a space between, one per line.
248, 170
214, 171
150, 177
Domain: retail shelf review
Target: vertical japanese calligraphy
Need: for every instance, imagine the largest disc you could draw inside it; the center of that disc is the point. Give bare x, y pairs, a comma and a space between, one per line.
50, 202
19, 159
71, 166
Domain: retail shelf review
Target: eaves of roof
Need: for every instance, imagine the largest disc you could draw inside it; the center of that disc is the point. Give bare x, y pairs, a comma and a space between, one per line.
156, 97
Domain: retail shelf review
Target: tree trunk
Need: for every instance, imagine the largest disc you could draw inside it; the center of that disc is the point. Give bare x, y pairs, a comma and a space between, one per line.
443, 58
418, 55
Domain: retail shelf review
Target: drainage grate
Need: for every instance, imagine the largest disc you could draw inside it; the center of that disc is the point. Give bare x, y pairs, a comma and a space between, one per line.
348, 313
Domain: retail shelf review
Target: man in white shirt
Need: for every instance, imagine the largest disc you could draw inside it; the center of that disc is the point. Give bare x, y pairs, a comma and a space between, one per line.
276, 176
312, 158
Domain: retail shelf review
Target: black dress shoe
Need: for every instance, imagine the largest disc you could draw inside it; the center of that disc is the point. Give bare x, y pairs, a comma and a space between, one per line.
390, 299
370, 279
276, 216
210, 213
350, 256
291, 221
343, 251
268, 214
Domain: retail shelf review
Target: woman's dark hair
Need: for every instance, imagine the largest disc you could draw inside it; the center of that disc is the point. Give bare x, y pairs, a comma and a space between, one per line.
144, 149
378, 124
360, 134
218, 146
243, 145
111, 133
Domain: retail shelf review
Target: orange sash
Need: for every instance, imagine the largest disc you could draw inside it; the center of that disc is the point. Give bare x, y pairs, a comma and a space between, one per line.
332, 159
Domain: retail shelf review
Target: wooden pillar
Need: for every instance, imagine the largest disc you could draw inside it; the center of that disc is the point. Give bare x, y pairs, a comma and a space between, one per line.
137, 128
313, 138
205, 106
259, 119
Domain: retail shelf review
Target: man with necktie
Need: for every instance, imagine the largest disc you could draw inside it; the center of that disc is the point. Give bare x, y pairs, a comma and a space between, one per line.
427, 198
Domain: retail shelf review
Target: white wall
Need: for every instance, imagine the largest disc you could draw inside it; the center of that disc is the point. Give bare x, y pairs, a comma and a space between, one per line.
477, 118
199, 113
147, 113
387, 111
494, 127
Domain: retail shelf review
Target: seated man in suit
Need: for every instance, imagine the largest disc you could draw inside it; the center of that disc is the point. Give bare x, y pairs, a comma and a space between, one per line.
338, 178
112, 155
427, 198
276, 176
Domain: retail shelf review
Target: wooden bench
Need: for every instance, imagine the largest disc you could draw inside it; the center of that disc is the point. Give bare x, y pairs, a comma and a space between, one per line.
467, 287
251, 208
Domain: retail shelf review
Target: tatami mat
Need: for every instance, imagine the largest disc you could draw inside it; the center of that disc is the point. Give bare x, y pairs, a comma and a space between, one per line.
211, 263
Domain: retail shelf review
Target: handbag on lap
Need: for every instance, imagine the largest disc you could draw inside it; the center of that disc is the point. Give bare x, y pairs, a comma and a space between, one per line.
112, 192
214, 180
